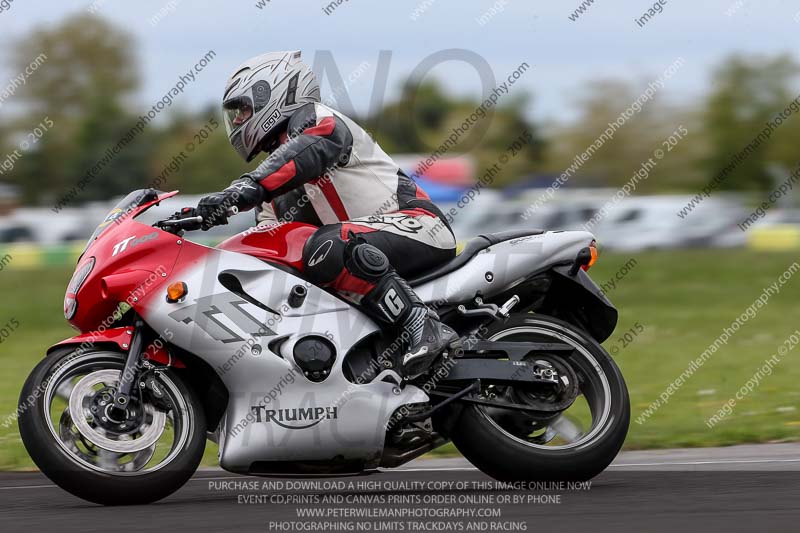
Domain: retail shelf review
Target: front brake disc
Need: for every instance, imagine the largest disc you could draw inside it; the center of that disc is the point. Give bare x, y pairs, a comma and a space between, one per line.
150, 430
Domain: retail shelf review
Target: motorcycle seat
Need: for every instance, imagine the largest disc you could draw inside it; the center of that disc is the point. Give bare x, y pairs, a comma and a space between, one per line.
470, 250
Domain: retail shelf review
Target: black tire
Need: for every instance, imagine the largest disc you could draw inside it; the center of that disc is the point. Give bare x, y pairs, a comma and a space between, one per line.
92, 485
506, 459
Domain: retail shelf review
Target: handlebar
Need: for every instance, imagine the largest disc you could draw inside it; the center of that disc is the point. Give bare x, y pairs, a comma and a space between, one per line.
181, 222
191, 223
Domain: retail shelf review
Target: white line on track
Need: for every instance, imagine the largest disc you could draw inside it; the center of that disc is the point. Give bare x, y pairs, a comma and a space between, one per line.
30, 487
472, 469
56, 486
619, 465
449, 469
720, 462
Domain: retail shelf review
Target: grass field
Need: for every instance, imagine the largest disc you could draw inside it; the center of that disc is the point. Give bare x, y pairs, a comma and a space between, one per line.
681, 302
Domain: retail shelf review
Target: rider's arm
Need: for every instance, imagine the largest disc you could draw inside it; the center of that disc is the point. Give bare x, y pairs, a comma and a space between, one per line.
243, 194
318, 142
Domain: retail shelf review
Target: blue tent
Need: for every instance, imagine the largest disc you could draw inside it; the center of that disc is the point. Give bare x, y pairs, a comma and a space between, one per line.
440, 192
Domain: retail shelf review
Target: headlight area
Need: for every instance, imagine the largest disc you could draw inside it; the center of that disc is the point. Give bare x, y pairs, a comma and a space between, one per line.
78, 278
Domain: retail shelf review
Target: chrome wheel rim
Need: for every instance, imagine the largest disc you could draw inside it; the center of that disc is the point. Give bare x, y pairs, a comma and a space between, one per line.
149, 446
565, 428
81, 396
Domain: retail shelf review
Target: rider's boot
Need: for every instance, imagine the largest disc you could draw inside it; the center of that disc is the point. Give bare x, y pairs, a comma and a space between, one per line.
393, 301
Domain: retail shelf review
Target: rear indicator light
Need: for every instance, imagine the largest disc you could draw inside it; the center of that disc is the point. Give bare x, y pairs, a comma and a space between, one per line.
592, 256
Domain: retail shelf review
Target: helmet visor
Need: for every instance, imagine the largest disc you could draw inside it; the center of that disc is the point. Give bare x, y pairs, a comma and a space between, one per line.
236, 112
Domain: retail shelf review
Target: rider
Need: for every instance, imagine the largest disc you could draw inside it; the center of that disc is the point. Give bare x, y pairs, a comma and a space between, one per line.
376, 225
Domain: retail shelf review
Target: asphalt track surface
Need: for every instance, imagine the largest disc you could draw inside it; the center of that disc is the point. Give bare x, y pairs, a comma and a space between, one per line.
742, 488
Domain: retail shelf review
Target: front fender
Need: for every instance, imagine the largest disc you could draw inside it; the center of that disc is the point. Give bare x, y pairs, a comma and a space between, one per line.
120, 337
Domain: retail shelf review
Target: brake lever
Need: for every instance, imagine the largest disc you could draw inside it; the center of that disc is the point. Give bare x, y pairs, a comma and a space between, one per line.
180, 221
196, 222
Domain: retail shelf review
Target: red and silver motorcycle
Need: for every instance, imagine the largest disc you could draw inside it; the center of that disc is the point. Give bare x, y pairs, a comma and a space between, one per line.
181, 343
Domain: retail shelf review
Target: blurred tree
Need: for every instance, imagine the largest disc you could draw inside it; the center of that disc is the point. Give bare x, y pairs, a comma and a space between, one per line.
747, 93
88, 59
192, 162
99, 130
424, 116
82, 86
405, 125
633, 143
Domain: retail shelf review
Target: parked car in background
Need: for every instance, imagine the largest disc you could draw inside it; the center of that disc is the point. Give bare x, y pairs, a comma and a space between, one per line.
635, 223
13, 232
40, 225
651, 222
493, 213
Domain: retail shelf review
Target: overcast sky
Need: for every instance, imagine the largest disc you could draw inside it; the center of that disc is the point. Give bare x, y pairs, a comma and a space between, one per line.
605, 41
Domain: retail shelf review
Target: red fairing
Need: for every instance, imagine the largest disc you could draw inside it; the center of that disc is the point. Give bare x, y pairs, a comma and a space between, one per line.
119, 336
131, 263
156, 352
282, 243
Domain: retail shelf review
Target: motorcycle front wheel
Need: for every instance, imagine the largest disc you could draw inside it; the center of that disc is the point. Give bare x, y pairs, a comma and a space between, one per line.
98, 454
575, 444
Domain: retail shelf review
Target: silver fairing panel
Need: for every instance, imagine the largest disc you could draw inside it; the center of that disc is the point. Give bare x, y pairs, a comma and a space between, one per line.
275, 413
503, 265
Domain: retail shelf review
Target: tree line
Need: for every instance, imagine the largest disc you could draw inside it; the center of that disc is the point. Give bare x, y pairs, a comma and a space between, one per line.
90, 78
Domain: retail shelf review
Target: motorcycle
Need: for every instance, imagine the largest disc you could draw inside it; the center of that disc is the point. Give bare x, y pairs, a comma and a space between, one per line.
181, 343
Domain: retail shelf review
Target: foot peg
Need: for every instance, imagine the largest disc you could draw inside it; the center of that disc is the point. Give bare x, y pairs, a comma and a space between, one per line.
491, 310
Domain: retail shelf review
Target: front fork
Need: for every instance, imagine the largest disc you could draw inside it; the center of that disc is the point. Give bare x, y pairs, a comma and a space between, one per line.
123, 395
139, 369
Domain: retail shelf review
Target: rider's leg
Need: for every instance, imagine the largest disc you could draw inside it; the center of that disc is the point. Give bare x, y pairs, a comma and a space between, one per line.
354, 258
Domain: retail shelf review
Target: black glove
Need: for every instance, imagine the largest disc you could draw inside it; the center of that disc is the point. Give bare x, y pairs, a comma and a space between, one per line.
214, 209
241, 195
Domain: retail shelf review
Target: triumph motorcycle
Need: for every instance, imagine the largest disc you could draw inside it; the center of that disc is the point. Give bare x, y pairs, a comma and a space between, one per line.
181, 343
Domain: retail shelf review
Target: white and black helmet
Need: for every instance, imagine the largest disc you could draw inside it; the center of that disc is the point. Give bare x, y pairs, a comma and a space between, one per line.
262, 95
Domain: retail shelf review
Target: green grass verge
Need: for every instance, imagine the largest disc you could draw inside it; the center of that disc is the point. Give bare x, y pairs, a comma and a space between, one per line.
683, 300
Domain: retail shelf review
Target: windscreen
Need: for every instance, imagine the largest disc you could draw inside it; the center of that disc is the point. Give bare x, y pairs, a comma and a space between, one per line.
123, 208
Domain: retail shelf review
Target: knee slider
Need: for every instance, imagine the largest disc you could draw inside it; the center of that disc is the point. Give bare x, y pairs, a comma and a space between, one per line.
366, 261
323, 257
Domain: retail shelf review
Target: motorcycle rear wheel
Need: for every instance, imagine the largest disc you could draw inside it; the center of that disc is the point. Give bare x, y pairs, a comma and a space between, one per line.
85, 457
541, 452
